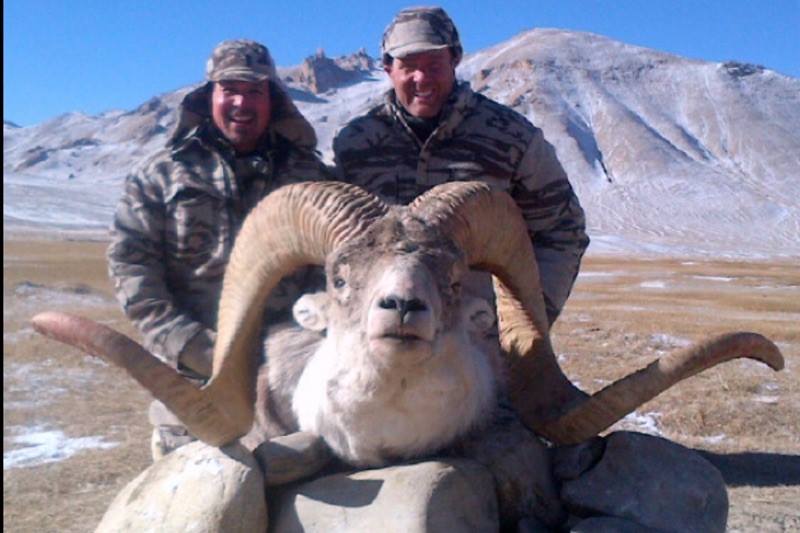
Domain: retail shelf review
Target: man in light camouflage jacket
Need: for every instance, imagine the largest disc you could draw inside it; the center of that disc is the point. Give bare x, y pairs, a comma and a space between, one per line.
431, 130
238, 137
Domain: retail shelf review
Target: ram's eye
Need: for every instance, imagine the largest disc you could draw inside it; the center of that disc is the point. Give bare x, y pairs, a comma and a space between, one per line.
338, 283
455, 287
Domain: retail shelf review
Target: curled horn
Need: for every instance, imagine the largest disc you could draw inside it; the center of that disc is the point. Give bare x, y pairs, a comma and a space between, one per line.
610, 404
187, 401
545, 399
297, 225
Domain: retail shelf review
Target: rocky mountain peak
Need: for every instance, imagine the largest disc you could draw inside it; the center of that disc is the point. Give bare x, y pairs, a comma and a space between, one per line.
740, 70
319, 73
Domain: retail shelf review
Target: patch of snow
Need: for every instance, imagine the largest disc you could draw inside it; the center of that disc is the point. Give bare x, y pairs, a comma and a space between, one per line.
769, 386
43, 382
767, 399
41, 446
663, 341
714, 439
33, 297
724, 279
642, 422
596, 274
653, 284
20, 335
579, 317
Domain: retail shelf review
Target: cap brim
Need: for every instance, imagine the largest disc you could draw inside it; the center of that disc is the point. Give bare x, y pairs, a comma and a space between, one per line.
239, 75
415, 48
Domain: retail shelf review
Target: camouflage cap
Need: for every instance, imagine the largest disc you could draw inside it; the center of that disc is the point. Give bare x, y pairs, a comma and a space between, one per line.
240, 59
420, 29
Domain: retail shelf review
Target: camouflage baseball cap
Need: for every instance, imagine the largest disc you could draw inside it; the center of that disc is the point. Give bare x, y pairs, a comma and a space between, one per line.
421, 29
240, 59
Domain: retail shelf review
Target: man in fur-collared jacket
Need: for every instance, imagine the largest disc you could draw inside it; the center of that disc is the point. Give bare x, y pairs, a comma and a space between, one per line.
238, 137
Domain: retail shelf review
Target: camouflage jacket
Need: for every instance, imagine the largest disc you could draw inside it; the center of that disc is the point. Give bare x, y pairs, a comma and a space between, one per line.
476, 139
180, 212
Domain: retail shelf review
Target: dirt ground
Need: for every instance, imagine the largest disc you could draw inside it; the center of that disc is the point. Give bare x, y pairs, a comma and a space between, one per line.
75, 430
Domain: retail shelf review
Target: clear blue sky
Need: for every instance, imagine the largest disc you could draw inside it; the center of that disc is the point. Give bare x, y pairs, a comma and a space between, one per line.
94, 56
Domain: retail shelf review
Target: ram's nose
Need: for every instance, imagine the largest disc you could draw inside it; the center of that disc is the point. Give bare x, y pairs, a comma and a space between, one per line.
403, 306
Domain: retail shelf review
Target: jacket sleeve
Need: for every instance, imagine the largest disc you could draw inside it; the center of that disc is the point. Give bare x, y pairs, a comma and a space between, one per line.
354, 156
306, 165
136, 266
554, 218
341, 159
318, 170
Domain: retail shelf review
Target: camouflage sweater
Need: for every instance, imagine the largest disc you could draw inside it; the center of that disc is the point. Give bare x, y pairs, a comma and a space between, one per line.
180, 211
476, 139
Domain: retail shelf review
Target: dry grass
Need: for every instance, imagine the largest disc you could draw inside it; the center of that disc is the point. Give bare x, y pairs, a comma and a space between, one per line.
49, 387
623, 313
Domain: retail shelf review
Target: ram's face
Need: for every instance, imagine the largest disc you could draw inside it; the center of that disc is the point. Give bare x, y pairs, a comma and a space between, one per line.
395, 291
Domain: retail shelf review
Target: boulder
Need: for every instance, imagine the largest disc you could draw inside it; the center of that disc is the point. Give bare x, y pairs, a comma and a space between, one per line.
291, 457
197, 488
531, 524
651, 481
609, 524
570, 462
452, 495
522, 468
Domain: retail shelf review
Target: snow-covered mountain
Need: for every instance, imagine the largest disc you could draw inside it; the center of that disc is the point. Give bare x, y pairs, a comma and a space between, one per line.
668, 155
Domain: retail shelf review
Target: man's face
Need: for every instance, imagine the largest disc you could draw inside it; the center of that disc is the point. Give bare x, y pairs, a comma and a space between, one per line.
423, 82
241, 110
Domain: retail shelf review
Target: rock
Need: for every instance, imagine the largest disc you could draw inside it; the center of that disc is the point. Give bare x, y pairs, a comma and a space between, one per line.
569, 462
320, 73
521, 466
531, 524
609, 524
291, 457
444, 495
653, 482
196, 488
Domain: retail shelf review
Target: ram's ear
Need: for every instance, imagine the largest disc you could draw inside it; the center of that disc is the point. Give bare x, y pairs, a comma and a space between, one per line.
311, 311
479, 315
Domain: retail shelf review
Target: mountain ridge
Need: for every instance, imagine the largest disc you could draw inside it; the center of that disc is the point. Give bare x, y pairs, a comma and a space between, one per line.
668, 155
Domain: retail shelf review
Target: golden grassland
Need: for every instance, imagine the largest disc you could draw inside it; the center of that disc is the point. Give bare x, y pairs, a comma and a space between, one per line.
624, 312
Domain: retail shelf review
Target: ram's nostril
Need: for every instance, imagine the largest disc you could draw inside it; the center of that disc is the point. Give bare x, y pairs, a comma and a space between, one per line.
416, 305
402, 305
389, 303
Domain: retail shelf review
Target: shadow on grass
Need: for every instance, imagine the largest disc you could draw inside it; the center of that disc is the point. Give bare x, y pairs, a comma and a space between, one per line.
756, 469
